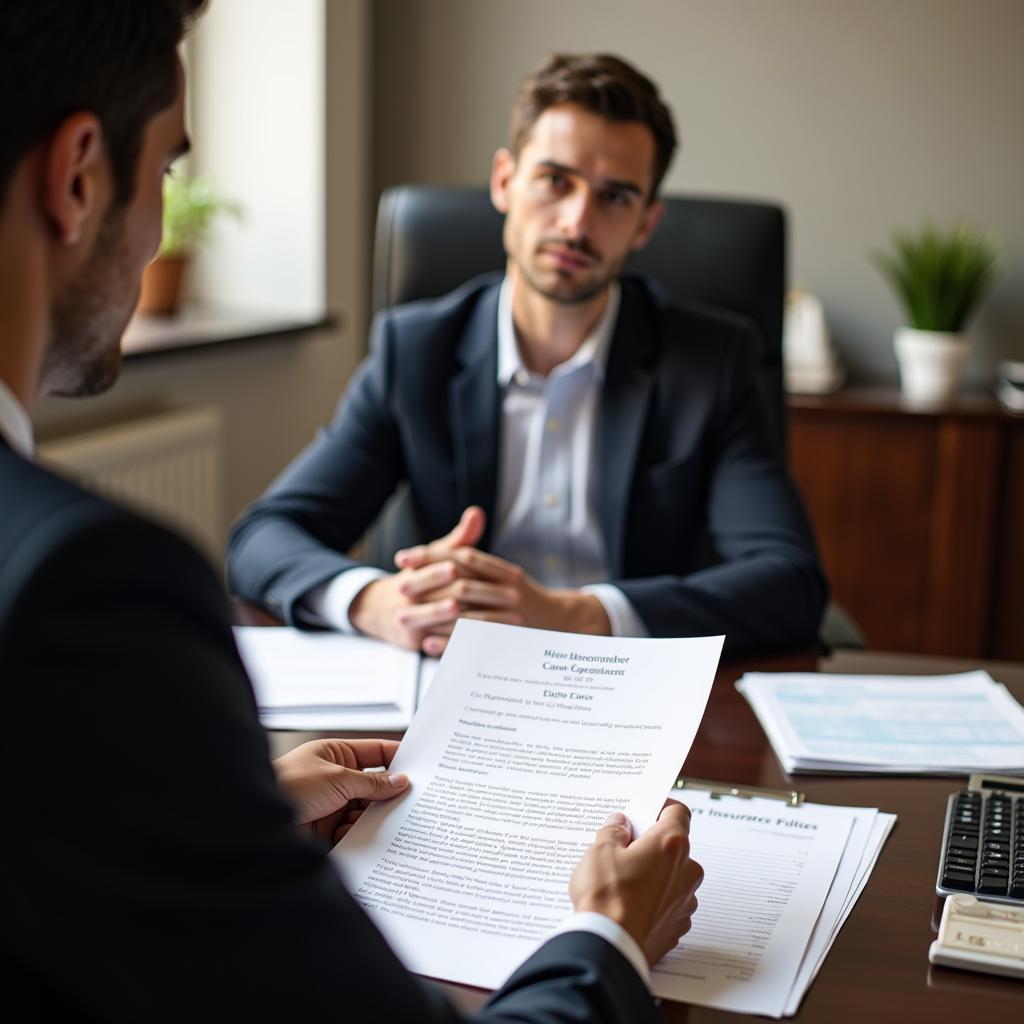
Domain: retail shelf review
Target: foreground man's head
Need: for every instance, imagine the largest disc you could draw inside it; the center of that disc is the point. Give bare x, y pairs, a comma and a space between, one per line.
92, 103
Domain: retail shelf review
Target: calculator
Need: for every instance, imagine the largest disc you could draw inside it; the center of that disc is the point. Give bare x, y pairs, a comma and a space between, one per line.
983, 841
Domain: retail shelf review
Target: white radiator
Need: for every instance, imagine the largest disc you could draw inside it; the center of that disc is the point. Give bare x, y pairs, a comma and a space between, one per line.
167, 466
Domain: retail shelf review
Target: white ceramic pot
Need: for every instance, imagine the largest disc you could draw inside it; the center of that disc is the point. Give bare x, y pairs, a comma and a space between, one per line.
930, 363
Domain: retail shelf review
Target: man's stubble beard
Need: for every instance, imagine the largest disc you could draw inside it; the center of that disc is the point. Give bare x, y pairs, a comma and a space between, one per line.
89, 316
573, 294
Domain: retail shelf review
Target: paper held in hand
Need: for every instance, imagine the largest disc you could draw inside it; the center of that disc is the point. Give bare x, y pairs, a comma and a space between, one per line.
524, 744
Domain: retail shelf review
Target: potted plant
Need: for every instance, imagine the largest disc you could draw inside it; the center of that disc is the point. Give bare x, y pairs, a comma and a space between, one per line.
939, 277
191, 205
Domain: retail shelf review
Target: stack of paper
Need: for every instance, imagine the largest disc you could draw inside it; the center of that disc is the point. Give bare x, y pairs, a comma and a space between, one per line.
527, 741
314, 681
779, 882
954, 724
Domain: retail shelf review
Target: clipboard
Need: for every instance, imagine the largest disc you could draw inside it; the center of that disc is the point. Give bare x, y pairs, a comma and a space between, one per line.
718, 790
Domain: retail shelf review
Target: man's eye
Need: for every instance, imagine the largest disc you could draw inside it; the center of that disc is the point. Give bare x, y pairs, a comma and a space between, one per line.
554, 179
617, 199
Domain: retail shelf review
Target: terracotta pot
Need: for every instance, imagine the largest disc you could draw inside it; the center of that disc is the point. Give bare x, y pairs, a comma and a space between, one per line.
161, 286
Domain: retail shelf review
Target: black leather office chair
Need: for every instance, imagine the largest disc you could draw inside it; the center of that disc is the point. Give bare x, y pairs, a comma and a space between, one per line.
724, 253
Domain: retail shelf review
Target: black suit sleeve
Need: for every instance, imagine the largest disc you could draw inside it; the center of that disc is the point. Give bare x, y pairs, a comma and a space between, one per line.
150, 868
294, 537
768, 591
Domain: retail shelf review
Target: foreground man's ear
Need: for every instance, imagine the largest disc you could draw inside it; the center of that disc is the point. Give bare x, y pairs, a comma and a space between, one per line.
76, 181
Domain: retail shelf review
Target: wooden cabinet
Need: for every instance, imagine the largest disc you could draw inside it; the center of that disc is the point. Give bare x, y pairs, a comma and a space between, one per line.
920, 517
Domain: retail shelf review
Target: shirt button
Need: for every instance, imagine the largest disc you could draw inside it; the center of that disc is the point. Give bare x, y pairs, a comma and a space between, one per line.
553, 425
550, 500
551, 562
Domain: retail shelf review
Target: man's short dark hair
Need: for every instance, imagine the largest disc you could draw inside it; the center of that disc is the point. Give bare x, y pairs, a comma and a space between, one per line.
114, 58
602, 84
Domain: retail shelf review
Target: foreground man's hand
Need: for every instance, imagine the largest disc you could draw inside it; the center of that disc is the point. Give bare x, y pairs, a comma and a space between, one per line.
327, 782
646, 885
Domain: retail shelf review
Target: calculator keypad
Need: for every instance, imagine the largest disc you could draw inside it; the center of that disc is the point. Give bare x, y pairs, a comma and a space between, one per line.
983, 850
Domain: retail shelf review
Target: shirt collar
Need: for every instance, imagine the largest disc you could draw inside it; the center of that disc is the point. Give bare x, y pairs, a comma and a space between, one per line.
594, 349
15, 426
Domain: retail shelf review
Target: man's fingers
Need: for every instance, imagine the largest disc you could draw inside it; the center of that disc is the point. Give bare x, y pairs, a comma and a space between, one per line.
420, 617
508, 616
675, 813
374, 785
373, 753
466, 533
434, 645
616, 829
416, 582
467, 561
477, 594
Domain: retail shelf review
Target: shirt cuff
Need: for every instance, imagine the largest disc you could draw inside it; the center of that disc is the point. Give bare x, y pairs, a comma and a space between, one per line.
621, 613
328, 604
610, 931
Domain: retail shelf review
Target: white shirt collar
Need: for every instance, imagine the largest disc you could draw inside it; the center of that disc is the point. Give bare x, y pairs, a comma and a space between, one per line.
15, 426
594, 349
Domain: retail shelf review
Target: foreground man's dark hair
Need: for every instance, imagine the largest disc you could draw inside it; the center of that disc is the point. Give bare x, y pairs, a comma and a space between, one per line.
115, 58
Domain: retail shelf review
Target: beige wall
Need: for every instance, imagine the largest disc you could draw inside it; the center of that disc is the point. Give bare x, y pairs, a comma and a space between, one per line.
857, 115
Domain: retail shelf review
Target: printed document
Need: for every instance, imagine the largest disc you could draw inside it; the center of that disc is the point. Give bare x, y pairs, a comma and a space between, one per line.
525, 743
768, 868
307, 680
955, 724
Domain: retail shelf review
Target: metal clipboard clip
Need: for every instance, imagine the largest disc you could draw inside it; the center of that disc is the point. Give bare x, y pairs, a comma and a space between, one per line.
790, 797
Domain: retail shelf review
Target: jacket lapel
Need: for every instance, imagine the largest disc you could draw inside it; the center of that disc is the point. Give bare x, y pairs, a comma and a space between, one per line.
475, 407
629, 381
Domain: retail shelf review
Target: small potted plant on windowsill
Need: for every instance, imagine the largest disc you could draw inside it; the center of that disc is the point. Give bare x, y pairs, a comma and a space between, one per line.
191, 205
939, 277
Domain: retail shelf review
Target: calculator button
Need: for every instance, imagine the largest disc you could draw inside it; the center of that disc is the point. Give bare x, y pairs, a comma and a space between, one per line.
992, 885
962, 841
958, 880
995, 870
952, 865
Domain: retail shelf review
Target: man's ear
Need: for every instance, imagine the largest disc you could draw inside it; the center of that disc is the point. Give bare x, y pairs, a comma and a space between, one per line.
651, 219
502, 168
75, 176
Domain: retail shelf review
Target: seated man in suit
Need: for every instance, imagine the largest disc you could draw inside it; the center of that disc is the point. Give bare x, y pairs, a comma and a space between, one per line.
575, 436
151, 868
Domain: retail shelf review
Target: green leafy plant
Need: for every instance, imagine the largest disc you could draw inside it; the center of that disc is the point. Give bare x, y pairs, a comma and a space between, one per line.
191, 205
939, 276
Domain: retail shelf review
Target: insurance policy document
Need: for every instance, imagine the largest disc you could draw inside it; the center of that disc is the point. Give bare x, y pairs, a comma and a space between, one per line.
525, 743
768, 869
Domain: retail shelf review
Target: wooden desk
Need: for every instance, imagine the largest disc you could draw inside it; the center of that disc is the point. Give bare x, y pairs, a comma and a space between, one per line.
877, 970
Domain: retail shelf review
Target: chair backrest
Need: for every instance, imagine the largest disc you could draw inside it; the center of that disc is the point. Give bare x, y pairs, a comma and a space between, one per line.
723, 253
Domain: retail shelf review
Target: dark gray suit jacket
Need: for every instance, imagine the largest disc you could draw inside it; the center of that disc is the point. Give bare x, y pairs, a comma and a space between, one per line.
150, 870
684, 456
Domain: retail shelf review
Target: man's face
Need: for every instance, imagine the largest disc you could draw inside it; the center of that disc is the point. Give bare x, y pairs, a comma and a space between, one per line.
92, 310
576, 201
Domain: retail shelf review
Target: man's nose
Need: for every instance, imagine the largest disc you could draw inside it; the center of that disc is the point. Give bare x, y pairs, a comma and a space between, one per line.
574, 214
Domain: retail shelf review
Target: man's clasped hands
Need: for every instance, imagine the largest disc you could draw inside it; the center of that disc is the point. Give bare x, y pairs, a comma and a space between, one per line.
452, 578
